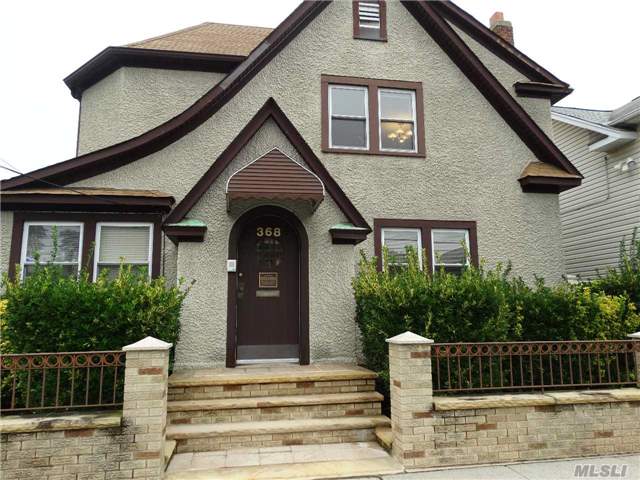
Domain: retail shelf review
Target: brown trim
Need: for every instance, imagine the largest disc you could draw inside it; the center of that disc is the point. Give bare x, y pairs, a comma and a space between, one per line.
478, 74
270, 110
535, 184
357, 34
113, 58
372, 85
551, 91
156, 139
425, 227
12, 200
495, 44
89, 234
188, 233
232, 318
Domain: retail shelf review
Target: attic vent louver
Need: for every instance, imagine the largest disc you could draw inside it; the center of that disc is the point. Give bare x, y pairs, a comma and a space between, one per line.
369, 20
369, 14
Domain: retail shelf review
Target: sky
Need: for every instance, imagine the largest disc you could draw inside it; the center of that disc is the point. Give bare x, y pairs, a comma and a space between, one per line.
590, 44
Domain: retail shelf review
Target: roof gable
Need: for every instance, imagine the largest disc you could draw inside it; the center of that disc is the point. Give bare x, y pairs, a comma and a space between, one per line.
272, 111
427, 14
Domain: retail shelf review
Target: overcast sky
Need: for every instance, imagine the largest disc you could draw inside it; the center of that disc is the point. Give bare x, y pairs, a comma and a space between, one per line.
590, 44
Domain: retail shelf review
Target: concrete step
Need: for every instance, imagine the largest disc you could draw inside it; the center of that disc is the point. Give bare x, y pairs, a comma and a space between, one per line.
299, 462
261, 381
225, 436
169, 448
283, 407
384, 435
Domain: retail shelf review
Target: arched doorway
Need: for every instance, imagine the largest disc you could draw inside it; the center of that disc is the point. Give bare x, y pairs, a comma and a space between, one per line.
268, 294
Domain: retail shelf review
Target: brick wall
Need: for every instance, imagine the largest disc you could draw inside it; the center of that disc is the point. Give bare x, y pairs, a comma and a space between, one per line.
433, 431
90, 453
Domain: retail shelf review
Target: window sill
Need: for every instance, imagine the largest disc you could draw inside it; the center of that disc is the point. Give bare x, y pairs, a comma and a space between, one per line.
357, 37
375, 153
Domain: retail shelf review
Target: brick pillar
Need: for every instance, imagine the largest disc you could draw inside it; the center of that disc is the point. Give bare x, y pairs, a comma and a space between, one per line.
636, 337
144, 413
411, 398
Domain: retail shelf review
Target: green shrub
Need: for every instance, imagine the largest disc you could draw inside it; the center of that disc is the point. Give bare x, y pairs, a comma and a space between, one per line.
480, 305
49, 312
625, 279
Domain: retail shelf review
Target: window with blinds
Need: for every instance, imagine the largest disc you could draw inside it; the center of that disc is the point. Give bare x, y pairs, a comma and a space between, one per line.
123, 244
58, 243
369, 20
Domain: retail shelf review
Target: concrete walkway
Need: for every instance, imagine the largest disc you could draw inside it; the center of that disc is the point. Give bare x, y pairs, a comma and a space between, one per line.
545, 470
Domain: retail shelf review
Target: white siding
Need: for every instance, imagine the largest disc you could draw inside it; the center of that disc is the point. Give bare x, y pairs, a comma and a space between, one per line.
606, 207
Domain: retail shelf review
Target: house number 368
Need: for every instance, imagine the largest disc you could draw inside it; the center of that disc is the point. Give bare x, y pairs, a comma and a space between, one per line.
268, 232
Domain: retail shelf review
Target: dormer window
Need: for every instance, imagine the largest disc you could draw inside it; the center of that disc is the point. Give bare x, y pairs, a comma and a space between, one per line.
370, 20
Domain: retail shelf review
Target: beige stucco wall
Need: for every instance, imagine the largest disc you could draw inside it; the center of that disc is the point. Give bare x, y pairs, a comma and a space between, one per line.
132, 100
331, 309
6, 226
473, 160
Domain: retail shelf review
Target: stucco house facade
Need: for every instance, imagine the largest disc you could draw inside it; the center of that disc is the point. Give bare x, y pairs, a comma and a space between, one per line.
596, 216
260, 162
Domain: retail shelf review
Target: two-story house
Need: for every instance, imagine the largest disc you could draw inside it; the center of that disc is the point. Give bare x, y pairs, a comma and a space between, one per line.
260, 162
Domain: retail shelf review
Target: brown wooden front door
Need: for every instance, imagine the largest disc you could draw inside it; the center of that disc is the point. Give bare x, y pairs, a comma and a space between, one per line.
268, 290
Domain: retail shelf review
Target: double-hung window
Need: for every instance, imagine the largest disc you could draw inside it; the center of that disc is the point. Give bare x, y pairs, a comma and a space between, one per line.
123, 244
398, 241
374, 117
397, 120
450, 249
448, 245
56, 243
349, 112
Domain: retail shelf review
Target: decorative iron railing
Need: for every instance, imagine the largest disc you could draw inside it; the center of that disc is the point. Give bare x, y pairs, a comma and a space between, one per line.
527, 366
61, 381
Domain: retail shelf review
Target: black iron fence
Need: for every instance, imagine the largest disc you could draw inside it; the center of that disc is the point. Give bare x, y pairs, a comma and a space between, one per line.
528, 366
60, 381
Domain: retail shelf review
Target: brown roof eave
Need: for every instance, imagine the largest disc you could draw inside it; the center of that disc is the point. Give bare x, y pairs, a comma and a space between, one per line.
93, 203
112, 58
551, 91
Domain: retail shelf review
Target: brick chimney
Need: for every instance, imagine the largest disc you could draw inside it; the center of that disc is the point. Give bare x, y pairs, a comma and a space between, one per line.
501, 27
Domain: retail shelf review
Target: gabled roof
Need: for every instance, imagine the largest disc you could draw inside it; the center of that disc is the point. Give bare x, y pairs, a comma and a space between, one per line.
270, 110
208, 37
427, 14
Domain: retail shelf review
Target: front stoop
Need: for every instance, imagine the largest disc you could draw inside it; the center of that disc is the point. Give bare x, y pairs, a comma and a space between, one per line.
271, 406
299, 462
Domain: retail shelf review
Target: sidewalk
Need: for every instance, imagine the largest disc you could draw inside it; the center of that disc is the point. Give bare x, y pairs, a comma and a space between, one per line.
598, 467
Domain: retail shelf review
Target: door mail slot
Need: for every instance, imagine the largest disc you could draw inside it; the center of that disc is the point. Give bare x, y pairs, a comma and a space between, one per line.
267, 279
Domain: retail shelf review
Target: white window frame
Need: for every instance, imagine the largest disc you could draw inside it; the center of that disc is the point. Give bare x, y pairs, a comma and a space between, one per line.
414, 121
403, 229
349, 117
96, 255
433, 249
25, 238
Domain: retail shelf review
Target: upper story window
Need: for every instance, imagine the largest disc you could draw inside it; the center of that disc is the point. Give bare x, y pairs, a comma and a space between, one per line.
448, 245
370, 20
58, 243
349, 112
397, 119
123, 243
379, 117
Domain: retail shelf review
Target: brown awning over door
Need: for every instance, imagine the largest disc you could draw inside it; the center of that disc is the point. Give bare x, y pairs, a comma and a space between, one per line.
275, 176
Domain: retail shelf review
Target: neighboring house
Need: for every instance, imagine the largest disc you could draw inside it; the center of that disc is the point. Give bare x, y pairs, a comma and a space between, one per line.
605, 146
259, 163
